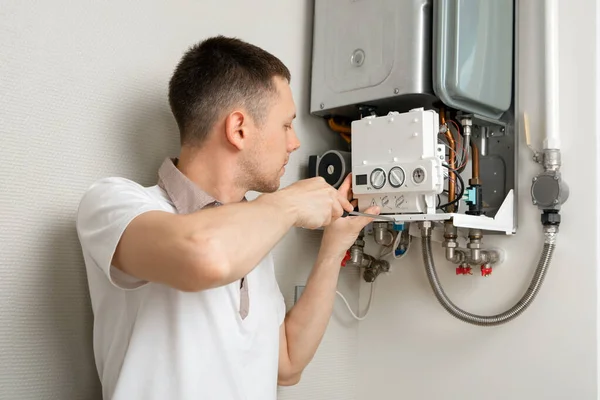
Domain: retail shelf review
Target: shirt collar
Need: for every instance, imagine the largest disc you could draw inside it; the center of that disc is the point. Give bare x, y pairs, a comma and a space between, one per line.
186, 196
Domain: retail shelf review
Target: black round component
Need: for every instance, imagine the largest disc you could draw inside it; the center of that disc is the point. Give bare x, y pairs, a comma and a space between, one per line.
333, 167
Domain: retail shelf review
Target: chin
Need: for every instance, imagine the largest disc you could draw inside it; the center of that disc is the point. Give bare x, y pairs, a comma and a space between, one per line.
268, 187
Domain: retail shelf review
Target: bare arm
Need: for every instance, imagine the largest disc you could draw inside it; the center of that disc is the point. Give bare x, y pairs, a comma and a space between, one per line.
216, 246
305, 324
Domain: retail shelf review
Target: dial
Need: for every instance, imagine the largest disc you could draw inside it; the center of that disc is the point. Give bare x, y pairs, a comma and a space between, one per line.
396, 177
378, 178
418, 175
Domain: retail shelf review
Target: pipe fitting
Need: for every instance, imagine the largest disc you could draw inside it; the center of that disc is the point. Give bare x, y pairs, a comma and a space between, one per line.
550, 234
375, 268
426, 227
467, 123
475, 246
456, 256
551, 160
382, 233
450, 243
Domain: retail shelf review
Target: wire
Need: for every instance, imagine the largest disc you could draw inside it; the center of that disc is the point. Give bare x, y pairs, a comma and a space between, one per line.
368, 305
407, 249
462, 189
464, 147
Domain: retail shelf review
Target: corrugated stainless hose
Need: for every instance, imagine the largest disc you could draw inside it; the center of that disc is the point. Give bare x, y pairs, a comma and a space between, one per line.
492, 320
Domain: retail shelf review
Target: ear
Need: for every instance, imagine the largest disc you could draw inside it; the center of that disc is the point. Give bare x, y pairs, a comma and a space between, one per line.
236, 129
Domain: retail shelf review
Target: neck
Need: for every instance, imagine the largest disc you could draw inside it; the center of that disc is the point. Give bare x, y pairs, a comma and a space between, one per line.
213, 172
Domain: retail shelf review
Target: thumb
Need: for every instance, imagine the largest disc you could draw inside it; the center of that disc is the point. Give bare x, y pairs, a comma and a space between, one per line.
363, 221
373, 210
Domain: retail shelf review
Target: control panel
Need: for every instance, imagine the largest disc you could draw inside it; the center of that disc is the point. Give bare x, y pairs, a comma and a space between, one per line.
397, 162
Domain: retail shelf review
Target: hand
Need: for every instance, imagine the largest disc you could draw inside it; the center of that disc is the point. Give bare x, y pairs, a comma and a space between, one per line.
341, 234
314, 202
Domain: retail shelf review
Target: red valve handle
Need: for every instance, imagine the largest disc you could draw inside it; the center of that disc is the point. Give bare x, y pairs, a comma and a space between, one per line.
346, 258
460, 270
486, 271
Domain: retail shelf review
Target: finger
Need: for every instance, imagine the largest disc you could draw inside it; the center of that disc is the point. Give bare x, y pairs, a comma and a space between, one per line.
362, 221
345, 203
346, 185
337, 210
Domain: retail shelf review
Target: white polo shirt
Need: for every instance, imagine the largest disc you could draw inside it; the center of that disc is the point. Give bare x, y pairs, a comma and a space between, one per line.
153, 342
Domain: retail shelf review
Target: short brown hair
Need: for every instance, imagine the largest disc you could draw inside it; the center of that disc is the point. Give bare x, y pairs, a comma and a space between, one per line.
216, 75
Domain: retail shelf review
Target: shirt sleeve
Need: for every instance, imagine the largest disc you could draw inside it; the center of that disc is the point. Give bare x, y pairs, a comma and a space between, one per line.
105, 211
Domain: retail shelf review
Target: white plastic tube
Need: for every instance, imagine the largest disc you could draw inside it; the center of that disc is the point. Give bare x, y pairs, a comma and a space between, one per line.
552, 140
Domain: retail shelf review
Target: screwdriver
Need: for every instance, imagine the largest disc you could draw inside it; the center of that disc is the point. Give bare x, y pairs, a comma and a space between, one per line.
359, 214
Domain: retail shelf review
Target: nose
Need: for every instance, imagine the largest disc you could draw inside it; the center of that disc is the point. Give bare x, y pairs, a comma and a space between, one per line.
293, 141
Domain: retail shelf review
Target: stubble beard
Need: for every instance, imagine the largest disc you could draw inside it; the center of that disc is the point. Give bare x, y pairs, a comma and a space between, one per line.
255, 179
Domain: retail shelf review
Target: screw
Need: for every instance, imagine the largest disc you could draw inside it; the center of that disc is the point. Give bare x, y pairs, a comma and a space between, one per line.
501, 129
555, 177
322, 105
535, 179
534, 201
396, 91
555, 201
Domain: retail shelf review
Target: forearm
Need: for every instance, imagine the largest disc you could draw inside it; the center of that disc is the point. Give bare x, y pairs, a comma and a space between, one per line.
236, 237
307, 321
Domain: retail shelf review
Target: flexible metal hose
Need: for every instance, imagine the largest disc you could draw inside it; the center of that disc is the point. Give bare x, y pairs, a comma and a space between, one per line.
492, 320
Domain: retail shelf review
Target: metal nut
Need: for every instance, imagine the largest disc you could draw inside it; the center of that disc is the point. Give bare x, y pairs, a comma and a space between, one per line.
474, 245
450, 245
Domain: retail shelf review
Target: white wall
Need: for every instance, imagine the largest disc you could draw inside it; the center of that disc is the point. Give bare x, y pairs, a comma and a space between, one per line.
83, 95
83, 89
410, 348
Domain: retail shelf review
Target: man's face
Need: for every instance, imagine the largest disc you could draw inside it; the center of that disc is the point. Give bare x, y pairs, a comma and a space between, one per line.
275, 141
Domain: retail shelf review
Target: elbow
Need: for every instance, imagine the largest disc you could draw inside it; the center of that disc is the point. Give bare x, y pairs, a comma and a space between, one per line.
206, 265
289, 380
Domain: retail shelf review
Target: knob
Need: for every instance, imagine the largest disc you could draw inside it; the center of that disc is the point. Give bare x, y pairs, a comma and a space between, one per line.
378, 178
397, 177
418, 175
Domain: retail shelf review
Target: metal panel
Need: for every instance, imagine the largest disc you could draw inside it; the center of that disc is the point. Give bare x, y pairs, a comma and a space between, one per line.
375, 53
473, 55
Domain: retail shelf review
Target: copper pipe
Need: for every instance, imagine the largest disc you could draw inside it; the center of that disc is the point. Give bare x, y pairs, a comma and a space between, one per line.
475, 180
451, 161
337, 127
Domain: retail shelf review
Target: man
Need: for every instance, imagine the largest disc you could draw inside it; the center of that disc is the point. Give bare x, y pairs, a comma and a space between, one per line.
181, 277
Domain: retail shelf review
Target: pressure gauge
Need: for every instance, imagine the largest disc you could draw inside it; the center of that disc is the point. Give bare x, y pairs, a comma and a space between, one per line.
418, 175
377, 178
396, 177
